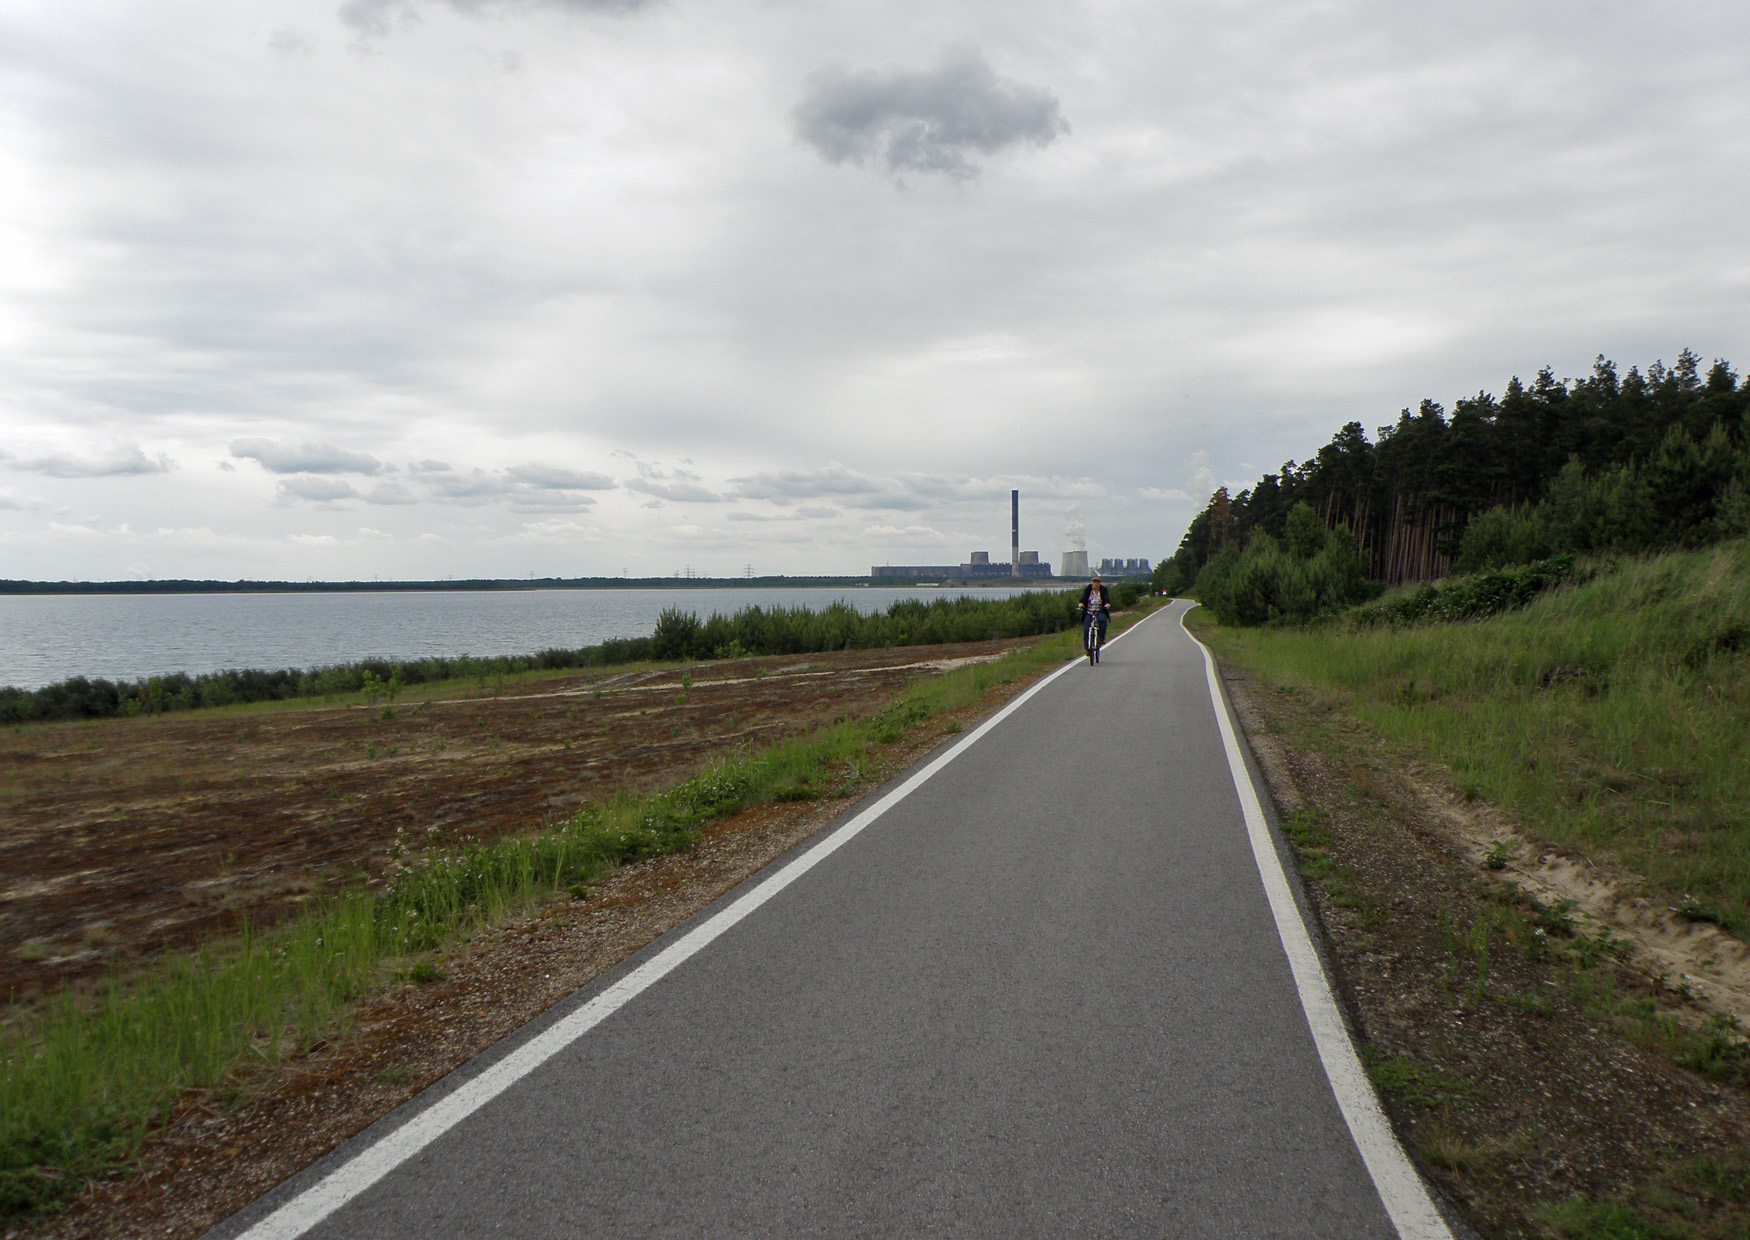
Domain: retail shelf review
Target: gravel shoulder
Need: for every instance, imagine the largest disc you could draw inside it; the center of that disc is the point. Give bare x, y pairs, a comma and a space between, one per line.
1522, 1045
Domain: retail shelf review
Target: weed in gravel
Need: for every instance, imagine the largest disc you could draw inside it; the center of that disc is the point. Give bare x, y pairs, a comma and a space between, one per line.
1440, 1147
1586, 1219
1303, 830
1724, 1178
1422, 1084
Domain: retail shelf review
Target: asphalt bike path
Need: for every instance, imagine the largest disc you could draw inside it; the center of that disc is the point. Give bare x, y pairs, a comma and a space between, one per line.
1046, 984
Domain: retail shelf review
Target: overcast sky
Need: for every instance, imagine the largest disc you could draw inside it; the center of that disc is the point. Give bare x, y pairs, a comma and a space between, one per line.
426, 288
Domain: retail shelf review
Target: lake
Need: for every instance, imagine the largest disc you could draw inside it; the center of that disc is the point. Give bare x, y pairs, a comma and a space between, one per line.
49, 637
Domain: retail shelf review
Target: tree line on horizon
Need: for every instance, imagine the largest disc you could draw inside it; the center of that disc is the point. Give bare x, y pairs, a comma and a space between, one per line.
1607, 463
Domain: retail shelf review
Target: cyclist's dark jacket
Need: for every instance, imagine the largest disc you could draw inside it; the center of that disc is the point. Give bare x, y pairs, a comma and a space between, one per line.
1105, 596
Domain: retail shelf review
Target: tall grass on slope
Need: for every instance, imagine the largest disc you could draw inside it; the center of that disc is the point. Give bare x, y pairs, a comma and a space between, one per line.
85, 1076
1613, 715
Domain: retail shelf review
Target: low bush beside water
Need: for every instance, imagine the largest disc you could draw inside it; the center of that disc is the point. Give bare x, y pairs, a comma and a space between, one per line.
679, 635
85, 1075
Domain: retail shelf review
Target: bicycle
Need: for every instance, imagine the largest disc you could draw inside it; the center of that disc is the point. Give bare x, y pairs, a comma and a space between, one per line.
1091, 639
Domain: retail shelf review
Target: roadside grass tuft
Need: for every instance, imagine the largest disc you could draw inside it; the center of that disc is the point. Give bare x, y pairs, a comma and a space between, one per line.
1587, 1219
1415, 1082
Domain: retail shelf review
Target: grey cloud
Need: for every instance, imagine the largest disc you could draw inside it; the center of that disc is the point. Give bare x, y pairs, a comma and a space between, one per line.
929, 120
315, 489
429, 466
788, 484
390, 493
680, 485
376, 18
793, 516
477, 485
21, 503
952, 487
523, 486
120, 460
524, 499
291, 42
552, 478
850, 488
895, 501
311, 458
680, 491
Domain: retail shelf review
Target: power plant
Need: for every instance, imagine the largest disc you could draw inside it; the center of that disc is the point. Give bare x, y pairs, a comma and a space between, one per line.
978, 563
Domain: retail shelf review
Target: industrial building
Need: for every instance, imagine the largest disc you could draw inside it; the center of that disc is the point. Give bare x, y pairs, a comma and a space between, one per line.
1125, 568
978, 564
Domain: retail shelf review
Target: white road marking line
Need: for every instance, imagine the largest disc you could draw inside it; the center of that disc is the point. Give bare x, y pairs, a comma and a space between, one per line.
392, 1149
1400, 1188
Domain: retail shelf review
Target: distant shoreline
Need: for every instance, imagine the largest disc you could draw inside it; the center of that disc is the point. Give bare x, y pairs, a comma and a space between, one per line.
184, 586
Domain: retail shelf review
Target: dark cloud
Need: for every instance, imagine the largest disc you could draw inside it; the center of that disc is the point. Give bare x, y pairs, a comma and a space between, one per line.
311, 458
120, 460
552, 478
928, 120
376, 18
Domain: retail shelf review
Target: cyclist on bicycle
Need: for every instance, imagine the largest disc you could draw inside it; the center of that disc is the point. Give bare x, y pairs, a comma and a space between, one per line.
1096, 603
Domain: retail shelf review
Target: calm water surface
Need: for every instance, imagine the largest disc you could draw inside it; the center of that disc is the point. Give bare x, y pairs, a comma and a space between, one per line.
45, 638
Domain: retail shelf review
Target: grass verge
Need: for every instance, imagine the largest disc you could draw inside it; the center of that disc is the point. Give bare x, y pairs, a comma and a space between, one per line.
84, 1077
1610, 714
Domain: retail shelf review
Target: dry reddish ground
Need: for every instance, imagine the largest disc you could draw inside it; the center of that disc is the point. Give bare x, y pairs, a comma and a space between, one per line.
119, 838
219, 1153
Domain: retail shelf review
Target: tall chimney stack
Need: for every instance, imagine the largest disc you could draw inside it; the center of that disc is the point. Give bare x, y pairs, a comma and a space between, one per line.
1015, 533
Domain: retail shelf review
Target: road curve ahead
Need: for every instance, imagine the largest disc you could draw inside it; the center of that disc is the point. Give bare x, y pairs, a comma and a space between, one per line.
1036, 988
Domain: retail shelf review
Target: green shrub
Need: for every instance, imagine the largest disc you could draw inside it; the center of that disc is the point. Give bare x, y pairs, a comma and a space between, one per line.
1313, 572
1469, 598
1504, 536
